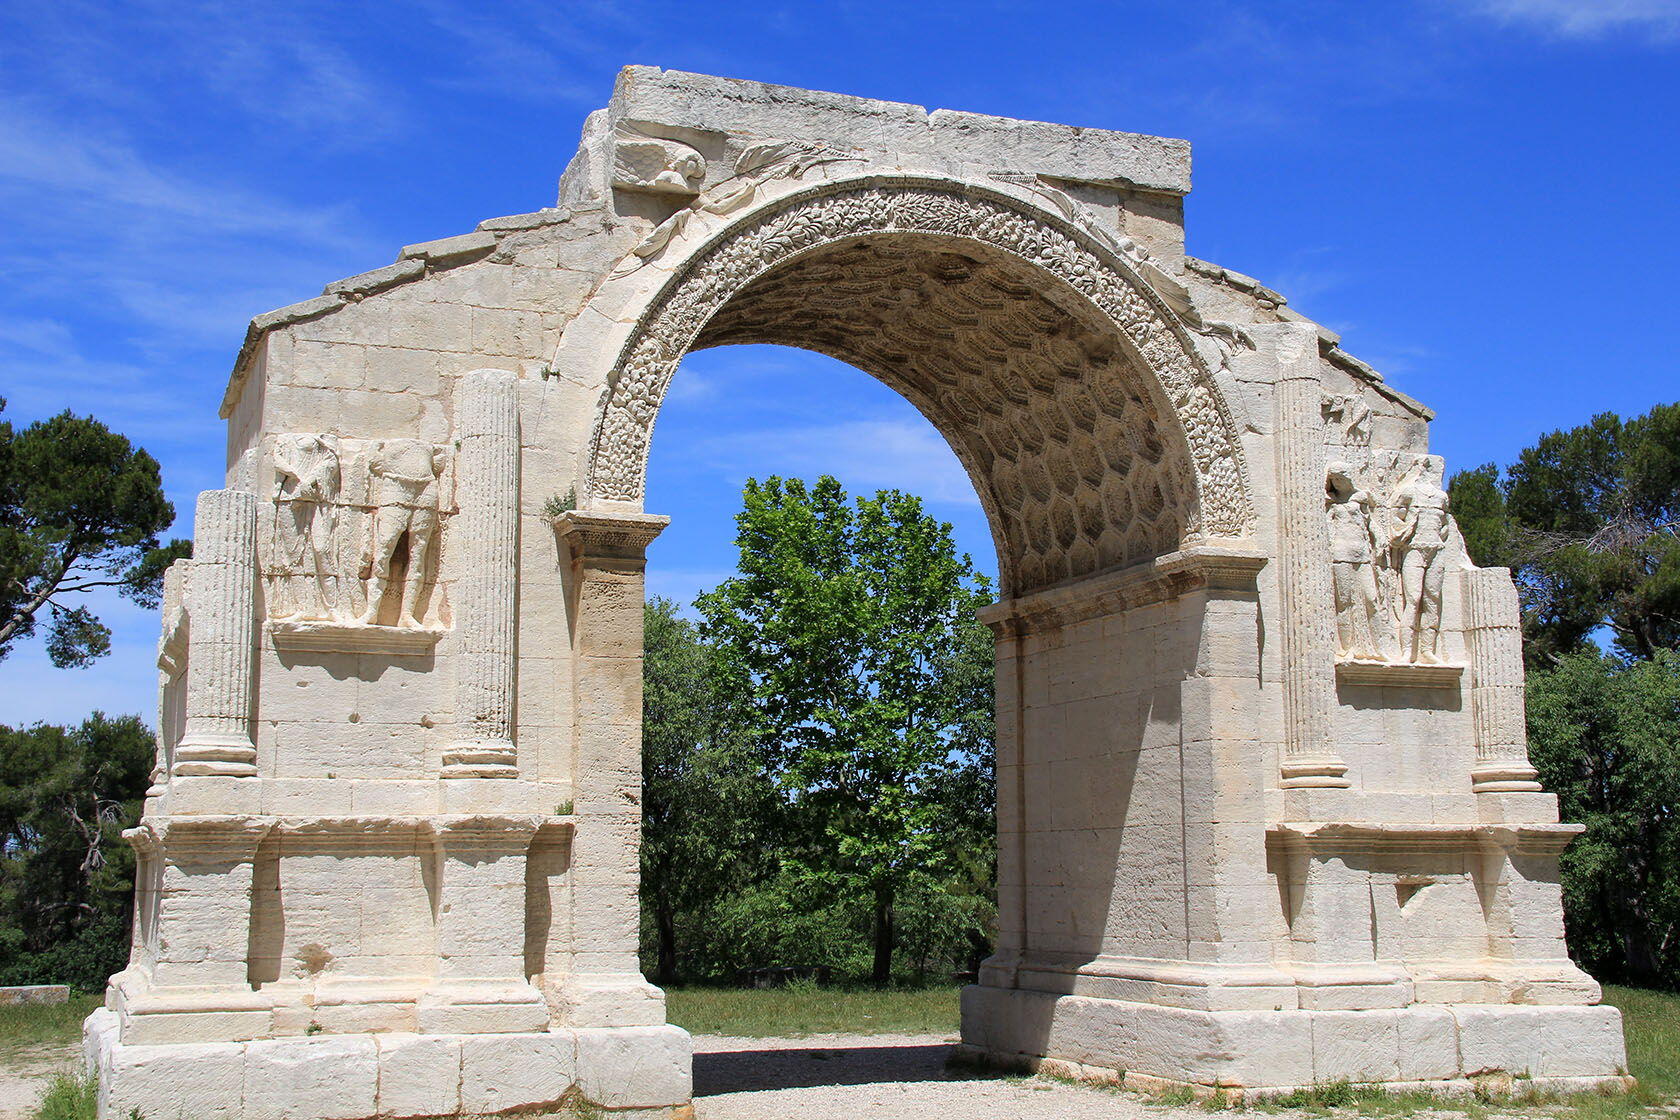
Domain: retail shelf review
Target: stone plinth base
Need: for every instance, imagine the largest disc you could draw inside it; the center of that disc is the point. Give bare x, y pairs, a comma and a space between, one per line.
625, 1071
1437, 1046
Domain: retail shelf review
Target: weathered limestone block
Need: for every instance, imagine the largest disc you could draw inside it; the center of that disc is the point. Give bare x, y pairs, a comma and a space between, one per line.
311, 1079
635, 1067
419, 1075
504, 1072
200, 1081
1264, 815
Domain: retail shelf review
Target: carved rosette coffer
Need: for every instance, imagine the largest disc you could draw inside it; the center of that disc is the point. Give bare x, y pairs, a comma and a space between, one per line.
221, 642
1493, 625
487, 480
1304, 577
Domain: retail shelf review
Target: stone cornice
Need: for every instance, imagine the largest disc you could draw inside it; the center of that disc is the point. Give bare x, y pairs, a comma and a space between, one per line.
1212, 566
1325, 836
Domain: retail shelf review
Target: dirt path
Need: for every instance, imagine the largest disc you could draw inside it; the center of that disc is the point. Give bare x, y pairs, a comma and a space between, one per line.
884, 1077
24, 1077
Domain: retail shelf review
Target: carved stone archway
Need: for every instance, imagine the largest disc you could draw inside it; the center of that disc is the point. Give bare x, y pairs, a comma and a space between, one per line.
1059, 259
1265, 813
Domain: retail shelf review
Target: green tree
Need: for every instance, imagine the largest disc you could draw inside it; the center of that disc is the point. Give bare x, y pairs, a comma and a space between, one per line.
80, 509
1605, 735
66, 875
1589, 521
706, 802
850, 628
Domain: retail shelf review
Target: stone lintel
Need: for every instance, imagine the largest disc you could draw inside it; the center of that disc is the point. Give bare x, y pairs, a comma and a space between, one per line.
1210, 566
647, 95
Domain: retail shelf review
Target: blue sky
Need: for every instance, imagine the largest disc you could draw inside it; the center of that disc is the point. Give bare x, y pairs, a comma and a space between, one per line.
1479, 194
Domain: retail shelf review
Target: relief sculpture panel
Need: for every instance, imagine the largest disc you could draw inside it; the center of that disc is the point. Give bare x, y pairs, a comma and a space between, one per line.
352, 533
1390, 534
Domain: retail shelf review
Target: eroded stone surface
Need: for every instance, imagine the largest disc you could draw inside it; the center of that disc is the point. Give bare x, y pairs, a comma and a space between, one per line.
1264, 812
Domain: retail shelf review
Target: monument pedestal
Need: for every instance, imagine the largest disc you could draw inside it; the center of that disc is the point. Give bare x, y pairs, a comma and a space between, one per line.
1267, 1053
627, 1071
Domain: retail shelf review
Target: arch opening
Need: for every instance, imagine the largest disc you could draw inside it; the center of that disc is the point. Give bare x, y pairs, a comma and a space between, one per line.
1090, 427
1067, 442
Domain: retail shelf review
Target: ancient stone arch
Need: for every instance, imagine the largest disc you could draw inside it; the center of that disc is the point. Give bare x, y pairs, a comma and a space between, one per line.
1265, 816
989, 282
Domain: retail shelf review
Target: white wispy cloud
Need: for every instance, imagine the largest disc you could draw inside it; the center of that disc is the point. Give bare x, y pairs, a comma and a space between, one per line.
284, 65
91, 219
1588, 19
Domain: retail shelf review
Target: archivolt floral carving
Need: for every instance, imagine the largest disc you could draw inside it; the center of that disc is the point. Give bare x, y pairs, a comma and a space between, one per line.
620, 445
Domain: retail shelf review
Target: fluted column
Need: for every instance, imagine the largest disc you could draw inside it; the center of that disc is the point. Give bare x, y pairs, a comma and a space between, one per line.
1493, 625
487, 534
1309, 664
221, 638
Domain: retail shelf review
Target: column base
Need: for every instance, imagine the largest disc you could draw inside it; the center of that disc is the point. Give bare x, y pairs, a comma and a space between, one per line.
489, 758
1314, 773
1446, 1047
1504, 777
200, 755
627, 1071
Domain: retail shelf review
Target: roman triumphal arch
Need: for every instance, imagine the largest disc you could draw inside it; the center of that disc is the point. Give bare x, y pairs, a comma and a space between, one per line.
1265, 815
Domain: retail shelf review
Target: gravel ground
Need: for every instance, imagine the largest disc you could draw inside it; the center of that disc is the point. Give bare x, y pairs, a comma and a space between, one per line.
884, 1077
24, 1079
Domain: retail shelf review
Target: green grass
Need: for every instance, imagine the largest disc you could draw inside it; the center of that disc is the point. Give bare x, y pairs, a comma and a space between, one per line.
68, 1098
1651, 1020
805, 1009
29, 1027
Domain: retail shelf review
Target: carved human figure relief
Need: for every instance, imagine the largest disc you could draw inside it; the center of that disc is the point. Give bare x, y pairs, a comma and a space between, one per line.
1419, 539
404, 490
1361, 622
1389, 538
307, 478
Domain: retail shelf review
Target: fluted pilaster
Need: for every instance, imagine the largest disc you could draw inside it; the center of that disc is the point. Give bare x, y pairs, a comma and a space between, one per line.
221, 638
487, 535
1304, 568
1493, 625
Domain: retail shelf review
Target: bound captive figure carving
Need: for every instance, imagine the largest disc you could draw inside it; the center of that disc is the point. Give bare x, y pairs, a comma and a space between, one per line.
1353, 513
1422, 530
306, 489
404, 483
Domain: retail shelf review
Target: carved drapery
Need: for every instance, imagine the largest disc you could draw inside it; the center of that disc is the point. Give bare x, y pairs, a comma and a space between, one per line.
350, 534
1389, 537
488, 480
1219, 506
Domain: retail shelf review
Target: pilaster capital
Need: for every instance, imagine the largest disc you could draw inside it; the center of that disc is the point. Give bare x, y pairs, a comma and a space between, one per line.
598, 534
